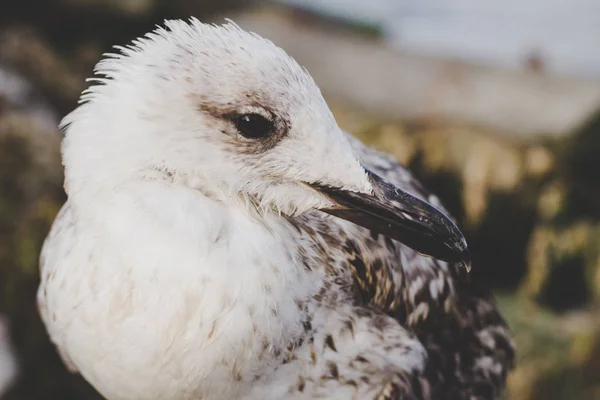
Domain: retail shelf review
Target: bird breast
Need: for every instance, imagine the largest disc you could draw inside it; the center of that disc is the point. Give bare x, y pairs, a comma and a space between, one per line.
142, 303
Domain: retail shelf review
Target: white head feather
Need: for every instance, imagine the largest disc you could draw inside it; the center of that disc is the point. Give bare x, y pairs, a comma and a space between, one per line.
163, 108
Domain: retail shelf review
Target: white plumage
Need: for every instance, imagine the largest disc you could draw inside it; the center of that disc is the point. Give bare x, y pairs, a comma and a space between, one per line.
190, 261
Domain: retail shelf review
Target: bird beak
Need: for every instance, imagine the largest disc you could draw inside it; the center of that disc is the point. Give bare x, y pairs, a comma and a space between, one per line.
394, 213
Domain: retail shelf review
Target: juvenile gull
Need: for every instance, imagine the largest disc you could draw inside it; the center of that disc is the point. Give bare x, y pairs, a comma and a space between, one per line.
197, 257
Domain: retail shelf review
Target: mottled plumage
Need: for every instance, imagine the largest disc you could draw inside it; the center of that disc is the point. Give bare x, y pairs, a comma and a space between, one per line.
194, 258
469, 348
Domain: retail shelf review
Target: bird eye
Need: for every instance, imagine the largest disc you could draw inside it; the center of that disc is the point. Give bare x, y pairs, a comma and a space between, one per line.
254, 126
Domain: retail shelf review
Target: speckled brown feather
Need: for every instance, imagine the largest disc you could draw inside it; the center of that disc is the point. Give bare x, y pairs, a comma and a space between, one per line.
468, 344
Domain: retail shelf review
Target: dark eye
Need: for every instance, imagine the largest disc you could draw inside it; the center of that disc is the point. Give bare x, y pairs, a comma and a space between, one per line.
254, 126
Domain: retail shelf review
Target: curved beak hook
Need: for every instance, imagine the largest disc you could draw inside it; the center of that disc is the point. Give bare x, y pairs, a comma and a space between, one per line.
399, 215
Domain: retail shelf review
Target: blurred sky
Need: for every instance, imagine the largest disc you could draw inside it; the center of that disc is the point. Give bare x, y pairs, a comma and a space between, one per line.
566, 33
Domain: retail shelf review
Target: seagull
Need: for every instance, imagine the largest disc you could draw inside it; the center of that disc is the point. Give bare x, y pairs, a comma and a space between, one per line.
224, 238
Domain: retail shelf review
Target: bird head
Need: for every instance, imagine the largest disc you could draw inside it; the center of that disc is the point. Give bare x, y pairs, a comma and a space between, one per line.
230, 114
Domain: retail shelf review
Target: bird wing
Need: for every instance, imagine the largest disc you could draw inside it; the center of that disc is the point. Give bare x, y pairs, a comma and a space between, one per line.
469, 346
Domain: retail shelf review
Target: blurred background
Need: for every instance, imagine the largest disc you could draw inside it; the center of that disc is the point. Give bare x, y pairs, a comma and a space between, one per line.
494, 105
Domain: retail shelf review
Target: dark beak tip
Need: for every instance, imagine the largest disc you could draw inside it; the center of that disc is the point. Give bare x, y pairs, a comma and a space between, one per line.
401, 216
